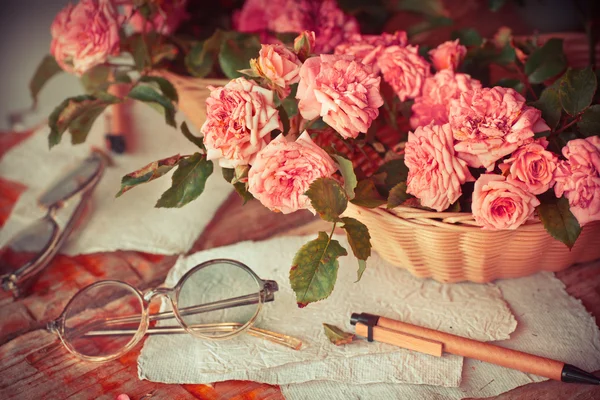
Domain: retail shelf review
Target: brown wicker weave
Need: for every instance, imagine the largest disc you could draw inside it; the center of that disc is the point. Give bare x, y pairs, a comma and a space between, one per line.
450, 247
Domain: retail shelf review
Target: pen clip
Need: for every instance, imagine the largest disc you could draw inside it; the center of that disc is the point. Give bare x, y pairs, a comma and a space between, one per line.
400, 339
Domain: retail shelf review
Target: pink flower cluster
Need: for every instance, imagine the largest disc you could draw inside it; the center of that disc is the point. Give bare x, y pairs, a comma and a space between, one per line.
279, 65
433, 105
491, 123
85, 35
166, 19
340, 89
578, 178
368, 48
323, 17
435, 173
239, 120
284, 170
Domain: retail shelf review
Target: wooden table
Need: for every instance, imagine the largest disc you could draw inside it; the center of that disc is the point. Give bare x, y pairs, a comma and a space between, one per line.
27, 371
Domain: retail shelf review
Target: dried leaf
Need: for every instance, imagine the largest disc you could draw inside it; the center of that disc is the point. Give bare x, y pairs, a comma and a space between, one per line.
336, 335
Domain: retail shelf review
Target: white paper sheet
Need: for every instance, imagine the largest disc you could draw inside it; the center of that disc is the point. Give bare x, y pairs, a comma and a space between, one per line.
550, 324
129, 222
476, 311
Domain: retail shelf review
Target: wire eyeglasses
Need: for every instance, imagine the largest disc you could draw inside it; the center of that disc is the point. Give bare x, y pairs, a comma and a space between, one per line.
31, 250
215, 300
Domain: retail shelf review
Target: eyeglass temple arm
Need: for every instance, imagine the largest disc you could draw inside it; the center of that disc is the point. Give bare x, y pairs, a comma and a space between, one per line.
267, 293
274, 337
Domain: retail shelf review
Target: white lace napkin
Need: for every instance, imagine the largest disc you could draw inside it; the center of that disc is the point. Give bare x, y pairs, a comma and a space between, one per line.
550, 324
476, 311
129, 222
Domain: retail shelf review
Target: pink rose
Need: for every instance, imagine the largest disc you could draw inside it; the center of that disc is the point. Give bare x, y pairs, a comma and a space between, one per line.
533, 166
448, 55
491, 123
304, 44
435, 173
323, 17
85, 35
368, 48
342, 91
578, 178
283, 171
404, 70
239, 120
164, 21
279, 65
501, 204
433, 105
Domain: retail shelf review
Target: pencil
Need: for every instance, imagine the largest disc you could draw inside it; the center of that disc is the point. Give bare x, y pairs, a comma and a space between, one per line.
433, 342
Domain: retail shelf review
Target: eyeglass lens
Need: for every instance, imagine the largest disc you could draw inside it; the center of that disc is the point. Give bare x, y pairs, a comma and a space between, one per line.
27, 245
73, 182
99, 309
234, 291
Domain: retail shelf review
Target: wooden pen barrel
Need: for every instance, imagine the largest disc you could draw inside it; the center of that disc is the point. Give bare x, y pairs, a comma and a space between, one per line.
461, 346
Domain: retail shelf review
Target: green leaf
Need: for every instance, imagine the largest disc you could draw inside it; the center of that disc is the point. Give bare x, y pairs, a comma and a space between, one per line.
336, 335
327, 198
47, 68
496, 5
546, 62
576, 90
188, 181
240, 187
199, 61
198, 141
360, 242
164, 51
164, 85
122, 77
151, 97
228, 174
347, 170
150, 172
549, 104
433, 8
511, 83
558, 219
139, 51
314, 269
390, 174
290, 104
362, 266
77, 114
397, 195
236, 51
467, 37
366, 195
95, 79
589, 125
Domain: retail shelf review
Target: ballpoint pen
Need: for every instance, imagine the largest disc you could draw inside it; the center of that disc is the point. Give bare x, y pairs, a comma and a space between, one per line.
430, 341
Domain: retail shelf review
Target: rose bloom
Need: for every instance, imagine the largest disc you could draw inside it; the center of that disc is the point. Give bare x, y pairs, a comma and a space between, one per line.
578, 178
165, 20
435, 173
85, 35
501, 204
491, 123
448, 55
341, 90
533, 166
239, 121
433, 105
368, 48
404, 70
304, 44
323, 17
283, 172
280, 66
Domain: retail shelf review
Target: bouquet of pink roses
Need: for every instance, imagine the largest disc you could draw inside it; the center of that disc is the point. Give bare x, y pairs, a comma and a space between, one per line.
287, 134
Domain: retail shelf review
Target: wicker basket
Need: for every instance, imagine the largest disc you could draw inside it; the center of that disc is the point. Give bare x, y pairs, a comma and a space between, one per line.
450, 247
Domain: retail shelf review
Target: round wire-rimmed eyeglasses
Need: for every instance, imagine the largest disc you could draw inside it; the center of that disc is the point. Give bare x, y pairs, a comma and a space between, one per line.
215, 300
27, 253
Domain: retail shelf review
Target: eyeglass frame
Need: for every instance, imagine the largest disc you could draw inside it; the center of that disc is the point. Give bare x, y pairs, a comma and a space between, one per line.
267, 289
12, 281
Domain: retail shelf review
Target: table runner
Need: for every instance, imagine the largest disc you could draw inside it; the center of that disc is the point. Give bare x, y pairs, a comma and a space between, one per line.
129, 222
476, 311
